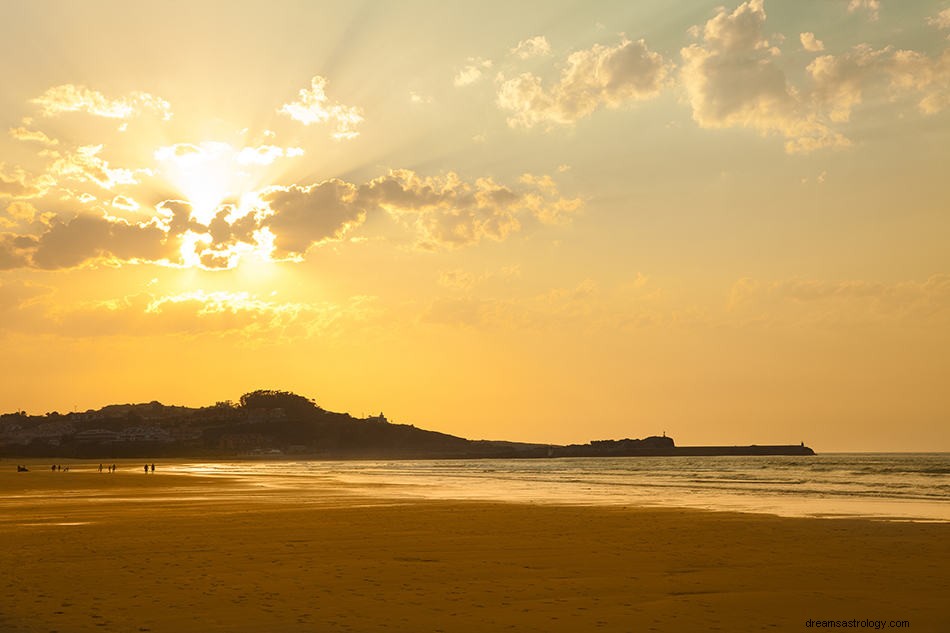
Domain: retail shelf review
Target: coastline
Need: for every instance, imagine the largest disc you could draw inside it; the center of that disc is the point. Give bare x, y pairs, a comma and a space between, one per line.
170, 552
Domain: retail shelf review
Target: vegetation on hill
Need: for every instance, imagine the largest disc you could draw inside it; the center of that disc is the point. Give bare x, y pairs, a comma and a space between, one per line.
262, 422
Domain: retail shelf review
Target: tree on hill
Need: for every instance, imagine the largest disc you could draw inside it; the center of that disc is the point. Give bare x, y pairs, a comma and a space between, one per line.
291, 403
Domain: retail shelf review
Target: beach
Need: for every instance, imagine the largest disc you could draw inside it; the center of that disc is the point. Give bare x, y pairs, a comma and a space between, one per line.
126, 551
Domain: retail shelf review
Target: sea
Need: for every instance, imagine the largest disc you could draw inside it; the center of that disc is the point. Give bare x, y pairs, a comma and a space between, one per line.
880, 486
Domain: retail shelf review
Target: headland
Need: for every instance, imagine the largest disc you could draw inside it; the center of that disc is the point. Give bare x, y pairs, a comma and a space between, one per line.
276, 424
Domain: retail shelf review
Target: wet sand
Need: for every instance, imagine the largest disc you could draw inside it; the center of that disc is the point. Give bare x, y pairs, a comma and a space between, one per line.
84, 551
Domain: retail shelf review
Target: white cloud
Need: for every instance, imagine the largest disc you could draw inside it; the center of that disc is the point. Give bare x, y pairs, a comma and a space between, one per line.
472, 72
928, 76
811, 43
448, 212
841, 80
872, 7
125, 203
941, 20
34, 136
732, 79
17, 183
85, 165
600, 76
313, 106
266, 154
537, 46
72, 98
415, 97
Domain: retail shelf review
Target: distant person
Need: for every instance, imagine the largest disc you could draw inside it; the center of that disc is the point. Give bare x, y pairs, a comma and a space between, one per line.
146, 469
100, 468
113, 467
53, 468
153, 468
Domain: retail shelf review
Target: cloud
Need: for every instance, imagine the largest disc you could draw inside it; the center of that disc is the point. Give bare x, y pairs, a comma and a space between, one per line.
586, 305
537, 46
941, 20
188, 155
928, 76
22, 212
27, 307
471, 73
415, 97
266, 154
16, 294
15, 250
811, 43
313, 106
841, 80
34, 136
872, 7
732, 80
283, 222
72, 98
11, 187
303, 216
85, 165
448, 212
600, 76
86, 237
457, 279
844, 302
16, 183
125, 203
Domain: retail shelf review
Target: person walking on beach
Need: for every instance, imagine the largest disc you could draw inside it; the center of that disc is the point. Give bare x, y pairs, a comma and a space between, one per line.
153, 468
100, 468
146, 469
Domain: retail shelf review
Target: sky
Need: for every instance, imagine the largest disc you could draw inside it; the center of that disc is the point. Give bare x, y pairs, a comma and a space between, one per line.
539, 221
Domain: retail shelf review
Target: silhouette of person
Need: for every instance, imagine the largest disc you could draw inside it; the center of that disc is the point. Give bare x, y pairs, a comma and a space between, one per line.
153, 468
113, 467
100, 468
146, 469
53, 468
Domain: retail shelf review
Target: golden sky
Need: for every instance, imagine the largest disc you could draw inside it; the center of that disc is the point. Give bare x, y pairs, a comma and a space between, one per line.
540, 221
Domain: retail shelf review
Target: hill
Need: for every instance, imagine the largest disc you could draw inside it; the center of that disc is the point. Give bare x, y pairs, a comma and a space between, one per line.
276, 424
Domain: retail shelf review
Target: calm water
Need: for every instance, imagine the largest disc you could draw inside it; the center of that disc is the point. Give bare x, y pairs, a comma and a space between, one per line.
886, 486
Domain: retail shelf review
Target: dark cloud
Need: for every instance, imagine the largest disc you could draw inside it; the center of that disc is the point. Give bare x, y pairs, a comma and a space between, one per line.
15, 250
85, 237
303, 216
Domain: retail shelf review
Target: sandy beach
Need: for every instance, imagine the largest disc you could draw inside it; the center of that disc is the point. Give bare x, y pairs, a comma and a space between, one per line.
89, 551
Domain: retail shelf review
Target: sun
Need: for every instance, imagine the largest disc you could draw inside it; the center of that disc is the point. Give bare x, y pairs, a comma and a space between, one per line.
207, 174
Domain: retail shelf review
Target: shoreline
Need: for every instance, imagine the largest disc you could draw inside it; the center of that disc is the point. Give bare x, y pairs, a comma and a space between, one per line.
170, 552
458, 481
